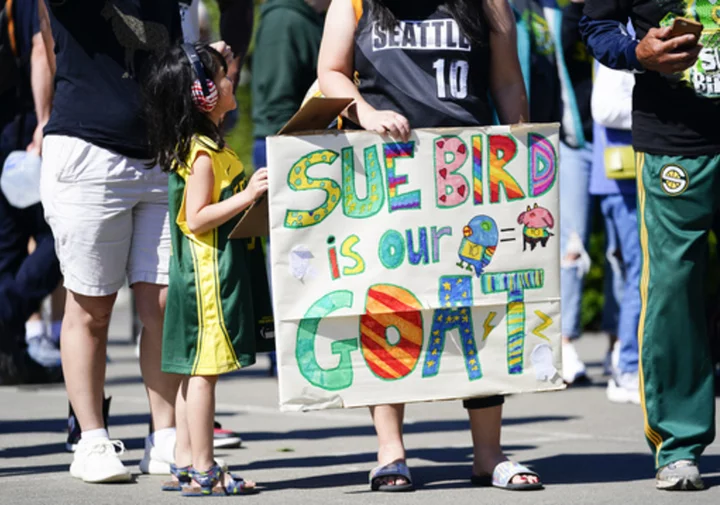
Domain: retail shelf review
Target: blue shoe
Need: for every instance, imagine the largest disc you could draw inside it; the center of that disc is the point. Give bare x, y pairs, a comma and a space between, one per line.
182, 474
44, 352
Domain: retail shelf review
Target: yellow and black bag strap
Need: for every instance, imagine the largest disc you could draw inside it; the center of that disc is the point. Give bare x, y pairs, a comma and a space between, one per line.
11, 27
358, 8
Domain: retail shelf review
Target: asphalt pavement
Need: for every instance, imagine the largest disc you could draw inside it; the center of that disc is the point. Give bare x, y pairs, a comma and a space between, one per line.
586, 449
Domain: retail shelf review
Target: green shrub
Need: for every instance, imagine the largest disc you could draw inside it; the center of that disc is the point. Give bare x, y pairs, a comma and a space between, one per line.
240, 138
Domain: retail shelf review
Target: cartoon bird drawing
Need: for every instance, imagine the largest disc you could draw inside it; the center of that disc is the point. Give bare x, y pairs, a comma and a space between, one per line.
480, 239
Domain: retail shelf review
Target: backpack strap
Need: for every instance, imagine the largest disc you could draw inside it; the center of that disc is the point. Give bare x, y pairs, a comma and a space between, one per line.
357, 7
11, 27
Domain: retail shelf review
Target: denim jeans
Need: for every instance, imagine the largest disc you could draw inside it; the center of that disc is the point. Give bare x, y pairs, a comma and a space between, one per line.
575, 212
624, 259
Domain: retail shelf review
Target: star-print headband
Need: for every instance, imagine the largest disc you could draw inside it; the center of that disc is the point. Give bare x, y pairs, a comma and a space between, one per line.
204, 92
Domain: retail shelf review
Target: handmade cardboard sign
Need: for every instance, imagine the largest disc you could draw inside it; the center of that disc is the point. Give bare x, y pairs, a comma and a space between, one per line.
415, 271
316, 112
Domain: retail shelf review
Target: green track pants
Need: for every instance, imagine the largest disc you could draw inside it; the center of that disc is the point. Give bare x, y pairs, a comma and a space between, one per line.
677, 200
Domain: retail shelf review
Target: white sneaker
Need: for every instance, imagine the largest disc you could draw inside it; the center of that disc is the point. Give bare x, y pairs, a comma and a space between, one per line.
158, 458
96, 460
573, 367
624, 388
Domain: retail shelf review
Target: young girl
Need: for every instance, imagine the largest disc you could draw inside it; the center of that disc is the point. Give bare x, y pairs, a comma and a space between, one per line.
425, 64
216, 313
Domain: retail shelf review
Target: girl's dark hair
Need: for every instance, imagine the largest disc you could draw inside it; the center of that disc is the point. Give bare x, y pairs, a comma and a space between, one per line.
172, 117
469, 14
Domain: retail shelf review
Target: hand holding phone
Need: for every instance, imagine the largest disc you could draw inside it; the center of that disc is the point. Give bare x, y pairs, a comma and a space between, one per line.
684, 26
670, 50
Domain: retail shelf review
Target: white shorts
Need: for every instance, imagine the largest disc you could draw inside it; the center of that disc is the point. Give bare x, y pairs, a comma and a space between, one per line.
109, 216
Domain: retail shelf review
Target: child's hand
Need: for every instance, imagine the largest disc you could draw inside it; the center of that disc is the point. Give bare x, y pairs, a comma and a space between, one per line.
258, 183
224, 49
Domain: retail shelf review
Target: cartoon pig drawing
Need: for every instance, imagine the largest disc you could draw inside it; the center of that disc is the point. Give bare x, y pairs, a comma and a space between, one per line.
536, 221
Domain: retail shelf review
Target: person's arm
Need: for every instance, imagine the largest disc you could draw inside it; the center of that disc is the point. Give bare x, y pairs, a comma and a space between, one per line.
507, 86
201, 214
612, 98
47, 36
610, 43
236, 28
335, 59
335, 69
41, 80
603, 30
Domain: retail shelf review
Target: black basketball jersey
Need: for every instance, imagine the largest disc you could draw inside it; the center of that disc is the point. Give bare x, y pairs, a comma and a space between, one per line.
425, 69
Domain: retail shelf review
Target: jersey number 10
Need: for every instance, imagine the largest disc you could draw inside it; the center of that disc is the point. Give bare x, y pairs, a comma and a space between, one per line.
457, 77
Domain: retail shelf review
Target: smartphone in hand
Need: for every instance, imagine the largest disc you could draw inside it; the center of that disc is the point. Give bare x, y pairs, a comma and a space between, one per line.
684, 26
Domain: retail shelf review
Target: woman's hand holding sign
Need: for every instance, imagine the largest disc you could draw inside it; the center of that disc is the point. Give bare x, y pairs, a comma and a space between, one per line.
384, 122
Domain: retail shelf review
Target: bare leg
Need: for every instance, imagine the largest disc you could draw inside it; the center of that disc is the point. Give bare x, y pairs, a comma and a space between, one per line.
83, 350
485, 426
200, 414
161, 388
388, 420
183, 451
200, 397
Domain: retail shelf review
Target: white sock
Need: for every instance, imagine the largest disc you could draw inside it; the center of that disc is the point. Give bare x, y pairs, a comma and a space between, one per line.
34, 329
160, 438
55, 328
95, 434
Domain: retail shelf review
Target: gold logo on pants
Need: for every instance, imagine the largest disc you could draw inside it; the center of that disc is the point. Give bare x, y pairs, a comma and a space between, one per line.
674, 180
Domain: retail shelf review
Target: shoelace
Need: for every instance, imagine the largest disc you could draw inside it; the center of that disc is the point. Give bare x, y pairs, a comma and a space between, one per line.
103, 446
683, 463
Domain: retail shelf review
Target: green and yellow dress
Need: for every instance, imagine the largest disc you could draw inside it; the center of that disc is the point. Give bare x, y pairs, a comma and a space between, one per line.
218, 311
